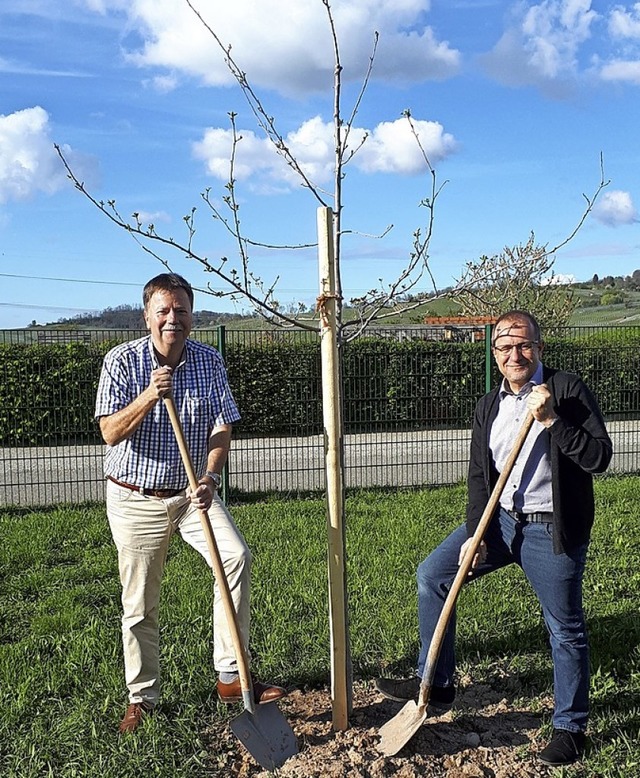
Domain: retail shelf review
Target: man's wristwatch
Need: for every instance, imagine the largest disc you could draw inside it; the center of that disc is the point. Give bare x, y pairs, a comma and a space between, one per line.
215, 477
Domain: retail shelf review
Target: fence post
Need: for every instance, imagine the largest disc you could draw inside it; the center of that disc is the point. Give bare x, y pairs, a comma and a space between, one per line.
487, 357
221, 343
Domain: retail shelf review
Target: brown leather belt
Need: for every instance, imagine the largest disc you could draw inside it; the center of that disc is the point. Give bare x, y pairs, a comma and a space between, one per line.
162, 494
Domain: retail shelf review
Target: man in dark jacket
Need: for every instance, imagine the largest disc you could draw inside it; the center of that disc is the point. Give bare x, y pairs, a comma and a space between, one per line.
543, 521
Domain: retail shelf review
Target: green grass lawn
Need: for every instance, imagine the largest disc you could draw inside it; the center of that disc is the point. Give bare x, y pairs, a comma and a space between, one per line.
61, 680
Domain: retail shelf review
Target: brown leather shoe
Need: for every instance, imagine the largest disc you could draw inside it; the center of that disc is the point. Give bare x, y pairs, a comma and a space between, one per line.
134, 715
262, 693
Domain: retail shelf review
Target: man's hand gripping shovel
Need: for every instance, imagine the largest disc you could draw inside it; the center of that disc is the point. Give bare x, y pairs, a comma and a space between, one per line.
403, 726
262, 729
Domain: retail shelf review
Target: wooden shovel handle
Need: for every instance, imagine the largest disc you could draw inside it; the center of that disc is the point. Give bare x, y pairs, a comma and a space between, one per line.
465, 565
218, 569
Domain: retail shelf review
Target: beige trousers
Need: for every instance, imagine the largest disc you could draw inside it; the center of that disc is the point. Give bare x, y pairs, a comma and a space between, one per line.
142, 528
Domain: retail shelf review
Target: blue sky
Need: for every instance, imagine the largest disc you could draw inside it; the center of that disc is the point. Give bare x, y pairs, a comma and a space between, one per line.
514, 103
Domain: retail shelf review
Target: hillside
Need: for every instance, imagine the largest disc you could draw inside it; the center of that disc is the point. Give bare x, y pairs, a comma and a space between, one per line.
606, 302
129, 317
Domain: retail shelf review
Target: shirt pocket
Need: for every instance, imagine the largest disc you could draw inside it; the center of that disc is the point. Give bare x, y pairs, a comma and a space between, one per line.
195, 407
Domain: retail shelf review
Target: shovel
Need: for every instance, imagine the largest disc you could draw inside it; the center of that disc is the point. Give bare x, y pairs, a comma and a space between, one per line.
262, 729
403, 726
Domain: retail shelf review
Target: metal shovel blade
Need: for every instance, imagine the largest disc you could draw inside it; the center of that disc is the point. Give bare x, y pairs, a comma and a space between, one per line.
266, 735
401, 728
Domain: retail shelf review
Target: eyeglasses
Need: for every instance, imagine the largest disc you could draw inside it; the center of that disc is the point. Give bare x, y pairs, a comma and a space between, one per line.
526, 347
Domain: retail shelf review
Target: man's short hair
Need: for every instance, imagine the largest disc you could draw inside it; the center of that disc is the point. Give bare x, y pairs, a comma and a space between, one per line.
517, 314
166, 282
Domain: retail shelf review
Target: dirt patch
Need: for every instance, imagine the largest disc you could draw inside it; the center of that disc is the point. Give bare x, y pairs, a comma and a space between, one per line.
485, 736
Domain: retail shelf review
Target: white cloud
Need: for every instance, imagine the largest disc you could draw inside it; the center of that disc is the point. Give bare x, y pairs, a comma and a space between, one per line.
254, 156
559, 279
625, 23
312, 145
163, 84
615, 208
147, 218
624, 29
621, 70
286, 45
17, 68
410, 57
390, 147
28, 161
541, 45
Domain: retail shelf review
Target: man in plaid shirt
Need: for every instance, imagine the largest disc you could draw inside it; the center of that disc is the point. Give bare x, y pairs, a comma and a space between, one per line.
148, 499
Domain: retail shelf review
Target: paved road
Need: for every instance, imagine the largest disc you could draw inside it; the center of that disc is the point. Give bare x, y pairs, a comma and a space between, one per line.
73, 474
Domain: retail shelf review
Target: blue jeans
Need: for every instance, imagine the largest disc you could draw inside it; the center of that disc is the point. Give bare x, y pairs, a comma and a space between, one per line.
557, 581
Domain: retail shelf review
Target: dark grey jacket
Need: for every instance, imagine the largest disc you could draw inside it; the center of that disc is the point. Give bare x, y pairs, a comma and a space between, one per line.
579, 447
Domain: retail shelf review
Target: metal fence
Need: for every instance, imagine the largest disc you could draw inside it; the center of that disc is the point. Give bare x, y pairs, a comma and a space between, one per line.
408, 411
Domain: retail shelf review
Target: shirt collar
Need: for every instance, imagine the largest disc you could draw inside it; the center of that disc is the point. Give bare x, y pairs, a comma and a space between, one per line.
154, 356
535, 380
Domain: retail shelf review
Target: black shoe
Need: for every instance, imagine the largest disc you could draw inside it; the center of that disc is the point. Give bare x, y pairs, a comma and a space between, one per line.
442, 697
404, 689
564, 748
399, 690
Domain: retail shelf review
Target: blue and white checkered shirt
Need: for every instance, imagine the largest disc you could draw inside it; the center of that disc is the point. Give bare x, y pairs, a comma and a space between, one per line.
150, 458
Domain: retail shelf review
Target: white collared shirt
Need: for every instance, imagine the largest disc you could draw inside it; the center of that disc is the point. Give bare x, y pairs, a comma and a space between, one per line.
528, 489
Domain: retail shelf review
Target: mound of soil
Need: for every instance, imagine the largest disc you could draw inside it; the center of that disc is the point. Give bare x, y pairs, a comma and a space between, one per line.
484, 736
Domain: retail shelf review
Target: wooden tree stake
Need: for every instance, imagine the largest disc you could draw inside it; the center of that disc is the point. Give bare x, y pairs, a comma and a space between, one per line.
341, 673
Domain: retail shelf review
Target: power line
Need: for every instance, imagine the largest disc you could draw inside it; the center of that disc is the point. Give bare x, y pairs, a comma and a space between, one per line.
70, 280
49, 307
138, 285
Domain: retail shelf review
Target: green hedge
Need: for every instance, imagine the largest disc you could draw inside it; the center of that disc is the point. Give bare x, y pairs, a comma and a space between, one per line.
609, 362
410, 384
277, 386
47, 392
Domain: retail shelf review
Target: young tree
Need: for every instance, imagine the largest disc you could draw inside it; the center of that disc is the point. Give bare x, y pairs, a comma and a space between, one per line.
382, 301
241, 283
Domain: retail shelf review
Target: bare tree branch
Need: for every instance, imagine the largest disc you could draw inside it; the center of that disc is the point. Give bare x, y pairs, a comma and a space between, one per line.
265, 121
591, 201
383, 302
265, 305
375, 303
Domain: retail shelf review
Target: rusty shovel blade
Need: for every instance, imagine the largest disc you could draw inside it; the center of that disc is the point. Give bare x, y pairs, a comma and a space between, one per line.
266, 735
